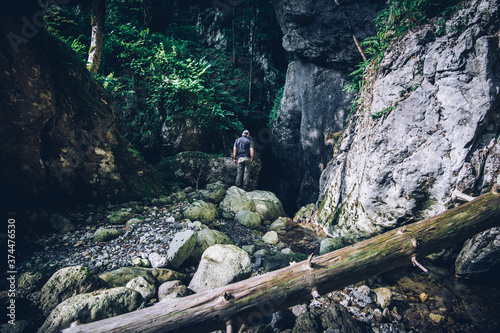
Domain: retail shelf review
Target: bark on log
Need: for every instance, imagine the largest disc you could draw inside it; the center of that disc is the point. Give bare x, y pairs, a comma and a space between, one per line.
252, 299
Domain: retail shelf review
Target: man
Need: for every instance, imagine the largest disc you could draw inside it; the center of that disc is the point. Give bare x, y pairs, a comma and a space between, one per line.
243, 157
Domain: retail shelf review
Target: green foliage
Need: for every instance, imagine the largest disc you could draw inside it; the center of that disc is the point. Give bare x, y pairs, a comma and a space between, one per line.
395, 19
160, 72
274, 112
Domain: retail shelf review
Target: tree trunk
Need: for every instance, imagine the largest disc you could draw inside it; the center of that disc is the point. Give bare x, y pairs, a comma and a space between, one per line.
250, 300
95, 51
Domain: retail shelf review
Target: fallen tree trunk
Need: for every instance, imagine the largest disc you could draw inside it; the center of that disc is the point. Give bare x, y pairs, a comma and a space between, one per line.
252, 299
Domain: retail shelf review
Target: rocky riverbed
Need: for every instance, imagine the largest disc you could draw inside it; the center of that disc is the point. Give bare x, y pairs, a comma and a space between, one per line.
139, 233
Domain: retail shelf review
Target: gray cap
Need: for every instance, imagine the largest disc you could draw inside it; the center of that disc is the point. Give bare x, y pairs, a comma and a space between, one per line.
246, 132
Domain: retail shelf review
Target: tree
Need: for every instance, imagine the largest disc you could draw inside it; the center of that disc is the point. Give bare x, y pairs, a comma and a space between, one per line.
95, 51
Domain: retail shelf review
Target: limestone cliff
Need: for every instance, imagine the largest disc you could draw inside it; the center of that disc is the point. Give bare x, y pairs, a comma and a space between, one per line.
428, 124
313, 107
58, 134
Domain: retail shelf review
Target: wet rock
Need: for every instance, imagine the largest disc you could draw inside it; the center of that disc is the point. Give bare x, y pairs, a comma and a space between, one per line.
204, 239
171, 290
202, 211
249, 219
143, 287
221, 265
106, 234
271, 238
61, 224
89, 307
308, 322
180, 248
336, 317
64, 284
330, 244
384, 296
282, 223
437, 318
480, 254
119, 217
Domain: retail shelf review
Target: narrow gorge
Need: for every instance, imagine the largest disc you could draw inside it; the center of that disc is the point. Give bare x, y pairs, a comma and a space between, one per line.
365, 115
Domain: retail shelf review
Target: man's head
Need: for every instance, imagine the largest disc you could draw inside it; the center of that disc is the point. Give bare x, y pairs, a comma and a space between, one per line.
246, 133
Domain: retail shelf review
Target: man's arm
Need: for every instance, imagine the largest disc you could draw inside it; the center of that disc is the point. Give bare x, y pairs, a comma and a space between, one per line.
234, 152
251, 154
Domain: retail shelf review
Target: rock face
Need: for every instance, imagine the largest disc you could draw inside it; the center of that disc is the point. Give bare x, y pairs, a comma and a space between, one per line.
314, 107
435, 124
58, 136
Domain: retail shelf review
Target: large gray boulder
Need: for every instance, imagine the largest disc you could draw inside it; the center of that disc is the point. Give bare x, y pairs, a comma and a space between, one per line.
180, 248
430, 126
65, 283
267, 204
236, 201
221, 265
202, 211
90, 307
480, 254
206, 238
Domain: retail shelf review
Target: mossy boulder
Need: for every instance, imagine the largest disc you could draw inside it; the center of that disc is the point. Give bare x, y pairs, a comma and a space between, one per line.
267, 204
106, 234
119, 217
202, 211
90, 307
281, 223
236, 201
249, 219
66, 283
331, 244
121, 276
206, 238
